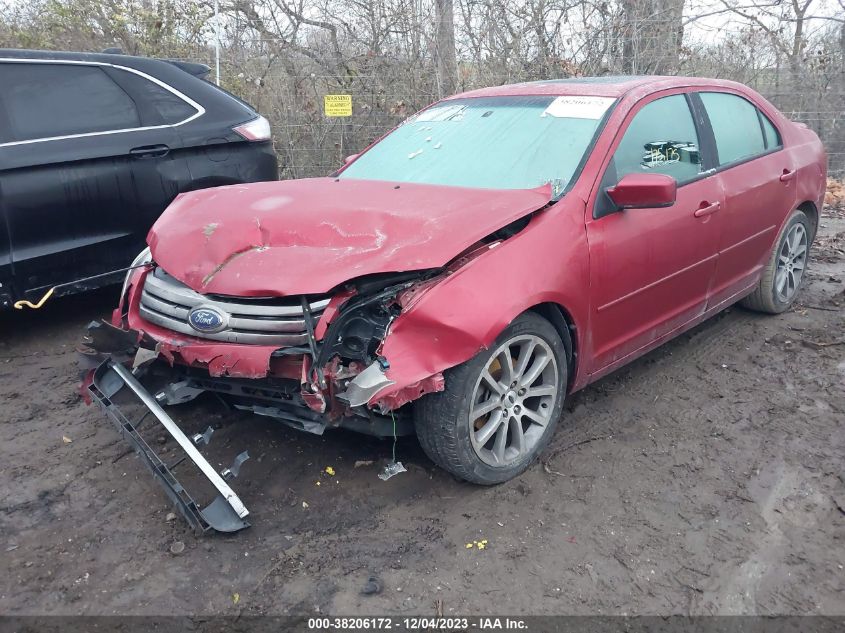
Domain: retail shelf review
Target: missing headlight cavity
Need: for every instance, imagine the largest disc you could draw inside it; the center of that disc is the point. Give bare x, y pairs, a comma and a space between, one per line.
359, 329
364, 329
361, 325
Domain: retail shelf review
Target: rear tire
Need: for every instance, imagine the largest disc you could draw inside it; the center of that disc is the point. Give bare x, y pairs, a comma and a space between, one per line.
785, 270
496, 416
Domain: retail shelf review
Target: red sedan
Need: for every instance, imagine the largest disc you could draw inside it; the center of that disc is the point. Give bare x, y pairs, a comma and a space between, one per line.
494, 253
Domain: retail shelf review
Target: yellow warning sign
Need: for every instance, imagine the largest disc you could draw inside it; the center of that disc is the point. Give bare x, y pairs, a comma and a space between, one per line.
337, 105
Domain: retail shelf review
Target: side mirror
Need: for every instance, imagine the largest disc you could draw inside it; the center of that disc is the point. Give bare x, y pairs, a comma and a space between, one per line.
350, 158
644, 191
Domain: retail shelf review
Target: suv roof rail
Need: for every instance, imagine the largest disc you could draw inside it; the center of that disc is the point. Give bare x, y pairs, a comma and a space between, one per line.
192, 68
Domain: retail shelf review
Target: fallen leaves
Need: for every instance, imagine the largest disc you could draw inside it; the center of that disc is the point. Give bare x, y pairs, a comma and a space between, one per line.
835, 194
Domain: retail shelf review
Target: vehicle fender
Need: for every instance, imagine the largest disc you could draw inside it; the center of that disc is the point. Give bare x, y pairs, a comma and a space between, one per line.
809, 153
449, 322
811, 187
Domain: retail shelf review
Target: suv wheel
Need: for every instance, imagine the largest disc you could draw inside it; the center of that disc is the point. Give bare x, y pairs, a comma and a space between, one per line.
500, 408
785, 269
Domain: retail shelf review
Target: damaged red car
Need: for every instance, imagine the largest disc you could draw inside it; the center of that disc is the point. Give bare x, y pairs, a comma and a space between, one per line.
460, 277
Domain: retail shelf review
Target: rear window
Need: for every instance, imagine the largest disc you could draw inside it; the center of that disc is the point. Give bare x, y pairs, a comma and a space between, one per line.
736, 126
48, 100
157, 104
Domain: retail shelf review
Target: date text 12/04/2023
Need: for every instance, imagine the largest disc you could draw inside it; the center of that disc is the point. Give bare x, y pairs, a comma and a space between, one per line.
417, 623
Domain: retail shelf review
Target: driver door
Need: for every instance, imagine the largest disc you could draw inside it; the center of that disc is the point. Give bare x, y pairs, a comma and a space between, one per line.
651, 269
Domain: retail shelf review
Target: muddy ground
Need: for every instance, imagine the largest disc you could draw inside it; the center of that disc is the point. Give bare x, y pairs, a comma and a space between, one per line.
707, 477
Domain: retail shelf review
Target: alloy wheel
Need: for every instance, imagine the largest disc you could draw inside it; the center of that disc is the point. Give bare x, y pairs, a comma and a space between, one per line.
792, 260
513, 400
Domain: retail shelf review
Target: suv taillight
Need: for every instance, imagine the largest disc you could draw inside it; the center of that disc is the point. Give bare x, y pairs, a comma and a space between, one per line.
255, 130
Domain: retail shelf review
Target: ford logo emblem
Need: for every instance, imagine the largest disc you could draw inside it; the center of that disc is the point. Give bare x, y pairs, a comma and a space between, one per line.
207, 320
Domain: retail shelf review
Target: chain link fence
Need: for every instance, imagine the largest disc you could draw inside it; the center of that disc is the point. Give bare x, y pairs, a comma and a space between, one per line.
310, 144
284, 57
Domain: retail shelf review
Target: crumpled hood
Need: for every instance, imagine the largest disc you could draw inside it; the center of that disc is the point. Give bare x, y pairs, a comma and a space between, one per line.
307, 236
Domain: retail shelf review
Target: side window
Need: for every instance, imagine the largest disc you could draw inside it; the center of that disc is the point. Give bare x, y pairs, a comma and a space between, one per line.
770, 132
735, 126
157, 104
661, 139
47, 100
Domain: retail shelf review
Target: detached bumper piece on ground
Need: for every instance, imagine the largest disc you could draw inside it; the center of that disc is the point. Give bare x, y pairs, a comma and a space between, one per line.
226, 513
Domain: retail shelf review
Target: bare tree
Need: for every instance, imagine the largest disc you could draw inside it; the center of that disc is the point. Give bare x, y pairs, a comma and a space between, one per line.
444, 47
652, 34
396, 56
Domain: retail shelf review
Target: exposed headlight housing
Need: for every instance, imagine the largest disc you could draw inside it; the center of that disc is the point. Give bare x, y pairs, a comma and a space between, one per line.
144, 257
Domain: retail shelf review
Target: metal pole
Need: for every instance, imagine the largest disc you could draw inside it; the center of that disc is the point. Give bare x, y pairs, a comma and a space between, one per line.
217, 41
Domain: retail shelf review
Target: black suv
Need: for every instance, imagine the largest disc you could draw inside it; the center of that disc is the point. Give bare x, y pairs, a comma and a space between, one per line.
93, 147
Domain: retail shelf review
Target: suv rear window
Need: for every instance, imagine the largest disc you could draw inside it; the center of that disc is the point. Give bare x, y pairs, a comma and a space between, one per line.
736, 126
156, 104
48, 100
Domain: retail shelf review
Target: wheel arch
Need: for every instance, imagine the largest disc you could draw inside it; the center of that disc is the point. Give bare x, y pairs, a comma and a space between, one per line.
811, 211
562, 321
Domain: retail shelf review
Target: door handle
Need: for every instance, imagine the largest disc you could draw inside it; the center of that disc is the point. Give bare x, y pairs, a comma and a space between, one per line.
150, 151
706, 208
787, 175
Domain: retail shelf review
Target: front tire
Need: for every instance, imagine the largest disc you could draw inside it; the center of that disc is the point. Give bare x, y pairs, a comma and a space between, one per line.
784, 272
499, 409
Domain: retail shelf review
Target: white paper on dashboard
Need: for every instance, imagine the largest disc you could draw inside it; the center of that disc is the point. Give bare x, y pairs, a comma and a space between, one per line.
578, 107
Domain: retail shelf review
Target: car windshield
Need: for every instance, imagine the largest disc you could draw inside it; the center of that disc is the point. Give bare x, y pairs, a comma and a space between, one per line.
519, 142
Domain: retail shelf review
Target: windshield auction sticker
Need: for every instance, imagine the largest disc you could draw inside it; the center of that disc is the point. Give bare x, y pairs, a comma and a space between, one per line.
578, 107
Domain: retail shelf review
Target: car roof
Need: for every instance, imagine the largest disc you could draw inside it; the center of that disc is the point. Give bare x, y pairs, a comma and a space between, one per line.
606, 86
186, 77
146, 64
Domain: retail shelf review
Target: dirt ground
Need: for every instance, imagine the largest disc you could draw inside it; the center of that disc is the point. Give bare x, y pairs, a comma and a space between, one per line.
707, 477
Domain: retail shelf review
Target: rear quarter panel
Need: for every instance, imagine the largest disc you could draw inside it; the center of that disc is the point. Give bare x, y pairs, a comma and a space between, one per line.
220, 161
806, 152
811, 162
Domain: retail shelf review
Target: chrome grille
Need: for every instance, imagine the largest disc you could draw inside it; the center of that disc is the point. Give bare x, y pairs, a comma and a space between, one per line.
166, 301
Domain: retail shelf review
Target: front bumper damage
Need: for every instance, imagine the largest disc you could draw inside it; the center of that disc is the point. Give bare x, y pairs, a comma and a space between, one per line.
381, 342
226, 513
134, 377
